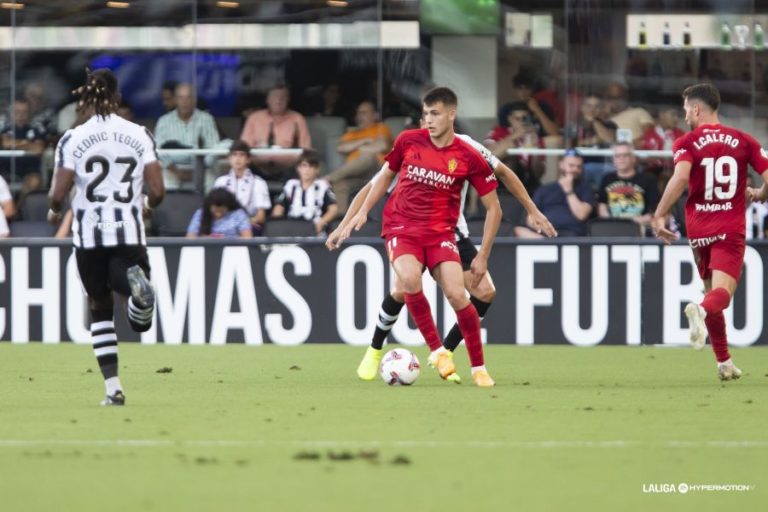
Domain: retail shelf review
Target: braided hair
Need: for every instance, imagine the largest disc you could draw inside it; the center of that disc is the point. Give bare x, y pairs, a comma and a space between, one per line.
99, 92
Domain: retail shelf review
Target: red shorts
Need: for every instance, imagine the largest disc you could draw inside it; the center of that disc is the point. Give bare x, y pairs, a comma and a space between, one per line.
723, 252
429, 252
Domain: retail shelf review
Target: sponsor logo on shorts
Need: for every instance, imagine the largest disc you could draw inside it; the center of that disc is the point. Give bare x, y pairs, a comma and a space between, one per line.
704, 242
714, 207
450, 245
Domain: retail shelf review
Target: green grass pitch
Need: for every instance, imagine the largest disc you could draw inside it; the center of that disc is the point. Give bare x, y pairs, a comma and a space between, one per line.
292, 429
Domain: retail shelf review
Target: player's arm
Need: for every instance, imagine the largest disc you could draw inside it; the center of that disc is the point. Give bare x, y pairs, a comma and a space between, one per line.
375, 194
62, 182
536, 219
333, 242
675, 188
153, 178
479, 265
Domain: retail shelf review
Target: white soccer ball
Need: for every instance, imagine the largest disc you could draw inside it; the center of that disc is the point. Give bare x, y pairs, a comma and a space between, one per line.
399, 367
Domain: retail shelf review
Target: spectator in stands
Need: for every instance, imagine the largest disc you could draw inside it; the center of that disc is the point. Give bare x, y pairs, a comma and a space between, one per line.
542, 116
7, 208
757, 221
41, 116
186, 127
516, 130
593, 129
276, 126
661, 137
328, 102
308, 197
251, 191
364, 147
626, 193
168, 95
24, 136
567, 202
635, 119
220, 217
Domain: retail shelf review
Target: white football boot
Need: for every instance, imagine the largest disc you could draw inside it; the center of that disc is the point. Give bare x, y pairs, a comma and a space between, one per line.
698, 330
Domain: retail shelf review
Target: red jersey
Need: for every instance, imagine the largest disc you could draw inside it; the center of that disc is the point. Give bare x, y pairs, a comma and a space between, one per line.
719, 157
427, 198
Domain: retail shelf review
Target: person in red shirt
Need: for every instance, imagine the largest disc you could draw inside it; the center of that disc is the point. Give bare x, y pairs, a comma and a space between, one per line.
420, 217
712, 162
662, 136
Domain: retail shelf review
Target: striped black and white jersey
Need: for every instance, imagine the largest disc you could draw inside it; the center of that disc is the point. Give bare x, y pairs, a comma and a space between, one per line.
462, 230
108, 155
310, 203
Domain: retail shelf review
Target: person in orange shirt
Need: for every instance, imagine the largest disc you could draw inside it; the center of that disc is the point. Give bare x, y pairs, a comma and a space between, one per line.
279, 126
364, 147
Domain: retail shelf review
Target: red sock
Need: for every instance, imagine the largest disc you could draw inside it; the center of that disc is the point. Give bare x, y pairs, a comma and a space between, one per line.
716, 328
418, 307
469, 323
715, 301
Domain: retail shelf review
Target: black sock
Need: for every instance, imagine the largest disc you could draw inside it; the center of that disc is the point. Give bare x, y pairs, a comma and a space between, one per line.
388, 313
104, 341
454, 336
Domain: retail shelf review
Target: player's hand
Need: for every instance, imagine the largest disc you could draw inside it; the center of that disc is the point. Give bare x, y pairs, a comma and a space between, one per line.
358, 221
333, 241
55, 217
478, 268
659, 225
753, 195
539, 223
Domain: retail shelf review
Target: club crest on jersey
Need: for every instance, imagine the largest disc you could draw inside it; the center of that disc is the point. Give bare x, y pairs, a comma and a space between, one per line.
452, 165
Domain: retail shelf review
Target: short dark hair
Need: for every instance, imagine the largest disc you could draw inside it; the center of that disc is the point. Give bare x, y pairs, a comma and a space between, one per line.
310, 157
706, 93
524, 78
240, 145
442, 95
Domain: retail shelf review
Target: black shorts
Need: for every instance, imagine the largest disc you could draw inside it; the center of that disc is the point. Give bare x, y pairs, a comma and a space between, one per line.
103, 270
467, 252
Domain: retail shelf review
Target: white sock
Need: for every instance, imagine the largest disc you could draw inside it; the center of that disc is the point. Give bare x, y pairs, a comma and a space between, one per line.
113, 385
476, 369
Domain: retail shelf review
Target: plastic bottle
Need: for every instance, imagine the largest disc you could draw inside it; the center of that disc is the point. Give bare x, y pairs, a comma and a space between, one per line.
666, 36
642, 37
687, 35
725, 36
759, 37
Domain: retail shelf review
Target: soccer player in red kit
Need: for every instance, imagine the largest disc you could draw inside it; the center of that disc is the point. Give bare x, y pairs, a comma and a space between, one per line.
420, 218
712, 161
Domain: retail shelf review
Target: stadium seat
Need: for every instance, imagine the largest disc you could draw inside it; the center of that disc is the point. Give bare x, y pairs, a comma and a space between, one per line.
396, 125
230, 127
172, 216
34, 206
31, 229
289, 227
325, 133
614, 227
477, 127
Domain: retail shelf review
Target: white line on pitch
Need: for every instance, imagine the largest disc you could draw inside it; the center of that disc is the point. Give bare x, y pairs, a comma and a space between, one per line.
223, 443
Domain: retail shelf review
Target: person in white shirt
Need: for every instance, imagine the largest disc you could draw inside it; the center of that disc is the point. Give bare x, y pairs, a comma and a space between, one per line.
250, 190
7, 208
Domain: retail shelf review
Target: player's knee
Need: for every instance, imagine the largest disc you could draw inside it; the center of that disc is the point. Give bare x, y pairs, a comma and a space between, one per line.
411, 285
485, 291
456, 297
397, 294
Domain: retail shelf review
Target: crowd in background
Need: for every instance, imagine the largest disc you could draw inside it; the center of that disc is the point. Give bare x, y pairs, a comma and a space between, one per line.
244, 194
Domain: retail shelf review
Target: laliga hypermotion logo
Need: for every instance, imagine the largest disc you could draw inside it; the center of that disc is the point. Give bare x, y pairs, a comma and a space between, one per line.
452, 165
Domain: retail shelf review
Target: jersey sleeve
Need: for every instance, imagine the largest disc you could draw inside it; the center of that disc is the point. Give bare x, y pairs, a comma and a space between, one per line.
681, 152
758, 158
64, 149
150, 155
260, 194
194, 223
481, 176
484, 152
243, 222
395, 157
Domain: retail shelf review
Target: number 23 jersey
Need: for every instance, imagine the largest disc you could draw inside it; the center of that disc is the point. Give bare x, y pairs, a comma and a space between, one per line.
108, 155
719, 157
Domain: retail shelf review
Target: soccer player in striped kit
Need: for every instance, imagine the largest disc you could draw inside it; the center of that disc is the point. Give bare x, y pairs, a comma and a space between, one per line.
109, 160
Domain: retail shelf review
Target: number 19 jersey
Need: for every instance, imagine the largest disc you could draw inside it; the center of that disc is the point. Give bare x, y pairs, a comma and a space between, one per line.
719, 157
108, 155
